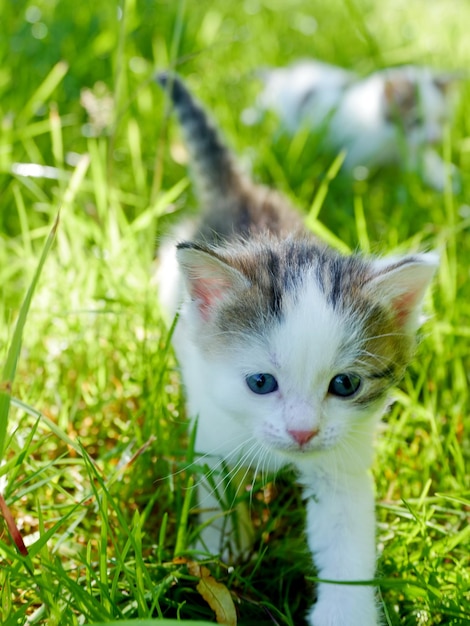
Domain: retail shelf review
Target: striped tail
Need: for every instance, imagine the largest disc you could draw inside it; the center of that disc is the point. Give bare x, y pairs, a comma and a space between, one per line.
216, 171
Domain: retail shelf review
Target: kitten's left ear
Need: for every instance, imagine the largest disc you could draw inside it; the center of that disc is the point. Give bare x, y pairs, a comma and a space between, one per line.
402, 283
210, 280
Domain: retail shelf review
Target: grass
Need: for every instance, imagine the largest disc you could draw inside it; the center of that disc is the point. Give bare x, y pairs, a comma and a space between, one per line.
92, 423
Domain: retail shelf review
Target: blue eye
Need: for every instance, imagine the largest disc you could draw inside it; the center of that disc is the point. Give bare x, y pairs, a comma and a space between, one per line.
262, 383
344, 385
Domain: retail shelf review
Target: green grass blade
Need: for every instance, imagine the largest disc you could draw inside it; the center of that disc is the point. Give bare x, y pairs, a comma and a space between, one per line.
14, 350
159, 208
181, 537
44, 90
324, 233
361, 225
322, 191
56, 430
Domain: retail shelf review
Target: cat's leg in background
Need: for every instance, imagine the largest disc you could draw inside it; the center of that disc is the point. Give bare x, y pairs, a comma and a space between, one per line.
341, 535
434, 171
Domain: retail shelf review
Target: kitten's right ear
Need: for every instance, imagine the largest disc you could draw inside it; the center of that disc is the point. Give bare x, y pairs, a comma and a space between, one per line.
402, 283
209, 279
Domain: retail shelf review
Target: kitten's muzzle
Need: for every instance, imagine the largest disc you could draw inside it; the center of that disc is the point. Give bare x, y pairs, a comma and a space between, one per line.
302, 437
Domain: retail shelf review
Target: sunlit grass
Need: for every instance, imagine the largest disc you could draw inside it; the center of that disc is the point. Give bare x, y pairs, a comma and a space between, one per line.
95, 471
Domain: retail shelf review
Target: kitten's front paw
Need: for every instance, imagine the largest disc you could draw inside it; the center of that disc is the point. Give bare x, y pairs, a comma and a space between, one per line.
340, 614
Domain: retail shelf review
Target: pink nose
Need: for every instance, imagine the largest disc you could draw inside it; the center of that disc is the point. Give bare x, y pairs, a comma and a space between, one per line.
302, 436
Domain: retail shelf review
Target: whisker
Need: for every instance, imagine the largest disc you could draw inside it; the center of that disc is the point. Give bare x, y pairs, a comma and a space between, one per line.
263, 459
226, 477
216, 466
200, 458
365, 337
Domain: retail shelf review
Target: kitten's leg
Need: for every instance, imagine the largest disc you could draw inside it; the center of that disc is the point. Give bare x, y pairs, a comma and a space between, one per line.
341, 536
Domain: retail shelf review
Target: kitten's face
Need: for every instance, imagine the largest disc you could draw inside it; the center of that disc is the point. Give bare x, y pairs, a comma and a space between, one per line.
307, 384
306, 370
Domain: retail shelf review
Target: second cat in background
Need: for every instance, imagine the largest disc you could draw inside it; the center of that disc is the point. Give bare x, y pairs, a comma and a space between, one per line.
394, 115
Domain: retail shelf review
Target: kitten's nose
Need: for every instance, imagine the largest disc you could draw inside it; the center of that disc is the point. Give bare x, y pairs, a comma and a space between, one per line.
303, 436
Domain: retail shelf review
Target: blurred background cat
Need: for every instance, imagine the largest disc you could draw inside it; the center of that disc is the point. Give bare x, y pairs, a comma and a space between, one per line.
394, 115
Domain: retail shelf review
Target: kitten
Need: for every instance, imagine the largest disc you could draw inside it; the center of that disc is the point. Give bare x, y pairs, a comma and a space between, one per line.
287, 351
394, 115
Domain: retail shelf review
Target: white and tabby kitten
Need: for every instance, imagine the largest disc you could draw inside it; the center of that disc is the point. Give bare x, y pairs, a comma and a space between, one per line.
394, 115
287, 351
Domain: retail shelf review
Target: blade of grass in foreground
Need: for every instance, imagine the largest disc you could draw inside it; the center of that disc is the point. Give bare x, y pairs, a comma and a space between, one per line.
14, 350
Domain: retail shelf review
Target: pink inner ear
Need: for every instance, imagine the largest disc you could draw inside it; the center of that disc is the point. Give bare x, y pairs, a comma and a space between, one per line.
207, 292
404, 305
209, 279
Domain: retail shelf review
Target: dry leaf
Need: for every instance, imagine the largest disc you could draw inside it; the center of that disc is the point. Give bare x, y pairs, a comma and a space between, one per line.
215, 594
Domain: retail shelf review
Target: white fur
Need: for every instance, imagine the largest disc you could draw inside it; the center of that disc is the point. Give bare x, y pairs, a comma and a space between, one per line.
341, 536
285, 88
167, 275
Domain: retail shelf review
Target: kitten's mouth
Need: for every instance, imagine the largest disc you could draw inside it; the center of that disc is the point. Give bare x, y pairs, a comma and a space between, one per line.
302, 443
